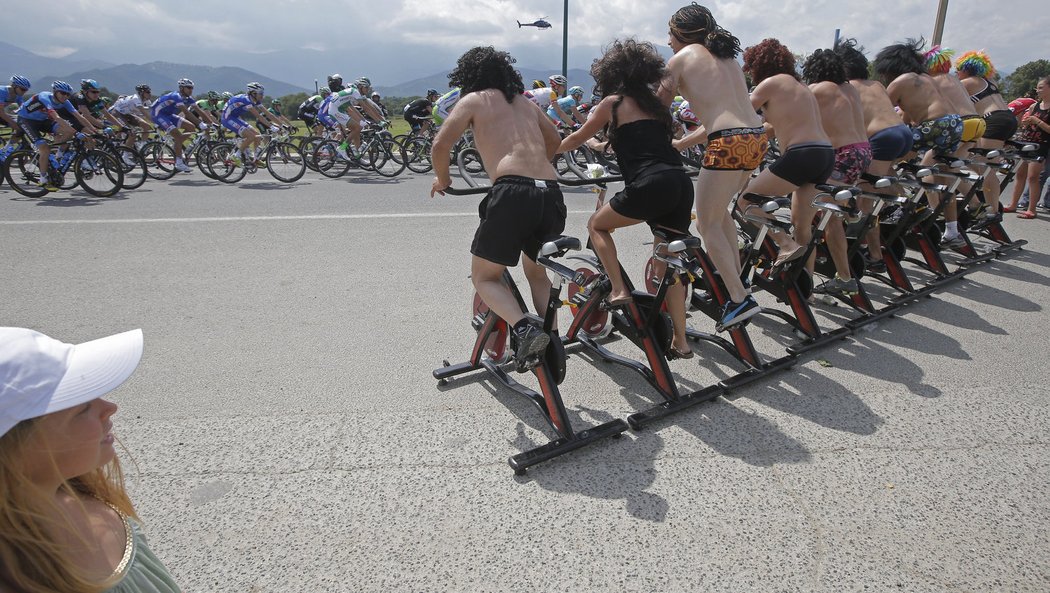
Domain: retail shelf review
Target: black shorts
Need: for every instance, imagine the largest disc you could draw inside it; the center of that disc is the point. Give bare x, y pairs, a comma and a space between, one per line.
35, 129
660, 198
1000, 125
518, 215
805, 163
308, 118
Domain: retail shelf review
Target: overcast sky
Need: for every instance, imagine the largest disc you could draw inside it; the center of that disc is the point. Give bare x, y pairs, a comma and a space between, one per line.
397, 40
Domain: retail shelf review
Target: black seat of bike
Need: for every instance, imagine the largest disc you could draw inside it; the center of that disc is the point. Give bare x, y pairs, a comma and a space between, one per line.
560, 245
669, 236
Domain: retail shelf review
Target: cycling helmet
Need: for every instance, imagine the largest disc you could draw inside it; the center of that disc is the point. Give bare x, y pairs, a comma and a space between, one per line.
254, 87
21, 81
325, 91
275, 103
143, 88
576, 90
89, 84
432, 92
226, 96
62, 87
335, 78
363, 81
538, 84
375, 96
185, 82
557, 79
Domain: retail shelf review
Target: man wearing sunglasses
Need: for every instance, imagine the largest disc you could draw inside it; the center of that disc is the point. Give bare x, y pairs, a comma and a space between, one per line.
39, 116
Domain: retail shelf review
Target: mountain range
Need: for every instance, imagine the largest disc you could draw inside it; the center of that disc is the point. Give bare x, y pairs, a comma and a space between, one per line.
122, 78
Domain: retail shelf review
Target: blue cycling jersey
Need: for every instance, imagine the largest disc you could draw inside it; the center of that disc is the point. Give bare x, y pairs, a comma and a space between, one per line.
39, 104
168, 105
566, 103
9, 96
237, 106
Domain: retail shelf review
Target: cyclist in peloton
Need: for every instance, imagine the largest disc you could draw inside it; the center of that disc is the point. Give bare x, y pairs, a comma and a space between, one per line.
132, 111
340, 108
417, 113
89, 103
567, 105
382, 108
210, 103
335, 83
177, 114
524, 206
443, 106
38, 116
250, 103
547, 97
307, 111
12, 94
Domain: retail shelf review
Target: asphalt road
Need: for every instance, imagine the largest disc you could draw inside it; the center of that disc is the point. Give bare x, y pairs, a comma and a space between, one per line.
284, 432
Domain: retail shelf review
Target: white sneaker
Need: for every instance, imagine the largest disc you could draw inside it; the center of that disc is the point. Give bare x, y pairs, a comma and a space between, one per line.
182, 167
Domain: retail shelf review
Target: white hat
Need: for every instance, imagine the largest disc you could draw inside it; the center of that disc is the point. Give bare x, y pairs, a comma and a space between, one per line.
40, 375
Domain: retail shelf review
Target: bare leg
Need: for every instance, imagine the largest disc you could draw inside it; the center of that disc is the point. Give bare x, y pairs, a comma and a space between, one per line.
768, 184
714, 191
487, 277
599, 226
1035, 189
802, 213
874, 238
539, 285
675, 299
1020, 180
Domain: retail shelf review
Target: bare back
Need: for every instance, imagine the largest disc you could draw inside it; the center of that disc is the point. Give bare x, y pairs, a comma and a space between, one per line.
918, 97
715, 88
993, 102
955, 94
790, 107
513, 138
878, 109
841, 114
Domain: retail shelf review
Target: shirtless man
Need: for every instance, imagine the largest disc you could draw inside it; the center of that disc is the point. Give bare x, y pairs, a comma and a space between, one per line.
890, 138
936, 129
974, 69
939, 65
525, 207
807, 157
842, 117
704, 70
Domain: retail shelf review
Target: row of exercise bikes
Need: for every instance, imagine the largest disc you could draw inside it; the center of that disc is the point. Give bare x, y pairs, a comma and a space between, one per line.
916, 266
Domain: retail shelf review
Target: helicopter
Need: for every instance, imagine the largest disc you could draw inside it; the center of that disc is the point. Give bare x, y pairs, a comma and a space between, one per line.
539, 23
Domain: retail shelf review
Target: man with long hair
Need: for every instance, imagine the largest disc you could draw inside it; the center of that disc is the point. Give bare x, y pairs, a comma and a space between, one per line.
704, 70
525, 207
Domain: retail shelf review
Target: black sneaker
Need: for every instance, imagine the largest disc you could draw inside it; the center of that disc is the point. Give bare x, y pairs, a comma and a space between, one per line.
987, 220
735, 313
529, 343
875, 266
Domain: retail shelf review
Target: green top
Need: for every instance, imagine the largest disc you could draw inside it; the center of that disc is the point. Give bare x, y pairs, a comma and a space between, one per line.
140, 571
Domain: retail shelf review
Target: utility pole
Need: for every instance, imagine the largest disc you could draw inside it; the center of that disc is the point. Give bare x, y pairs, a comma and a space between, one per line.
565, 44
938, 27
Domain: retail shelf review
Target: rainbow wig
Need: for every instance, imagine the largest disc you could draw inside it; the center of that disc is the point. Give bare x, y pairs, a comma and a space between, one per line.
975, 63
938, 60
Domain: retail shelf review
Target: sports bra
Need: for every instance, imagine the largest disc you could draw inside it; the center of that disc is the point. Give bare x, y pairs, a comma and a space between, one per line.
989, 90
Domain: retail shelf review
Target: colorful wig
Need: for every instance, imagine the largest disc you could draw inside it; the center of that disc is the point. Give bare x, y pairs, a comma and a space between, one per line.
938, 60
975, 63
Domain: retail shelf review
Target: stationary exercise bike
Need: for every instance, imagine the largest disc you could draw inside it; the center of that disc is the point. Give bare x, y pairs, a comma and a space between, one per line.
491, 353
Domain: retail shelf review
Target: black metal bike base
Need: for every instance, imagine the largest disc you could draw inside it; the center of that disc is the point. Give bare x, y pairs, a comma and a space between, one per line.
816, 342
1002, 248
526, 459
640, 420
752, 375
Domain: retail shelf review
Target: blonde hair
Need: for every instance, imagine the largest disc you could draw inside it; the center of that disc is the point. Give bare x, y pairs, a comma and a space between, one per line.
31, 559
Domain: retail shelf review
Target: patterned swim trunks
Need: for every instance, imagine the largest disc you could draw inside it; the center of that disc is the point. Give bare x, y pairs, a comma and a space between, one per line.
850, 161
941, 135
735, 149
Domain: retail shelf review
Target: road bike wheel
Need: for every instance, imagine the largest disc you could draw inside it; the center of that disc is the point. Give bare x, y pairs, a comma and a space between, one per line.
99, 173
470, 167
22, 171
328, 162
222, 164
417, 155
383, 159
160, 160
496, 346
597, 324
285, 162
133, 165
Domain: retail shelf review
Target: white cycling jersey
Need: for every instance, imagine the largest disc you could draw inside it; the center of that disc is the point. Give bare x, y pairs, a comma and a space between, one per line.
542, 96
343, 100
129, 105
